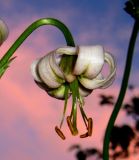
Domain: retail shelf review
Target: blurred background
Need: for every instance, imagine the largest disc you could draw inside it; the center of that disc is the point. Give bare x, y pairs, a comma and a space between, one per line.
28, 115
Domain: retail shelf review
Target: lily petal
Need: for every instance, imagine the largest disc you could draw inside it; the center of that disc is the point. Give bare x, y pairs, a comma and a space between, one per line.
55, 66
47, 74
34, 71
58, 93
99, 81
109, 80
90, 61
68, 50
84, 92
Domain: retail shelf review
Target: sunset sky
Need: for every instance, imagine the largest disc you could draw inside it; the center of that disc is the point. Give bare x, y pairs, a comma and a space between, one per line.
27, 114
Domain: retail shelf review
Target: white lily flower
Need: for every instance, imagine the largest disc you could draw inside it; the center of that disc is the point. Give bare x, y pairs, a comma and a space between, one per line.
3, 31
88, 67
60, 80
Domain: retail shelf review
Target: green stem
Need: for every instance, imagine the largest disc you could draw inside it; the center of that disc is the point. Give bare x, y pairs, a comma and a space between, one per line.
75, 116
30, 29
74, 90
122, 91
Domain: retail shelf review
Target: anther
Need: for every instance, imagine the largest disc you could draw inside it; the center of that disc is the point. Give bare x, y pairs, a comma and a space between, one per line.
84, 135
90, 126
73, 132
60, 133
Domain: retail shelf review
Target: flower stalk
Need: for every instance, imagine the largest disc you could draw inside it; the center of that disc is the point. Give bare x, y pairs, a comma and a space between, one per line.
132, 8
4, 61
121, 96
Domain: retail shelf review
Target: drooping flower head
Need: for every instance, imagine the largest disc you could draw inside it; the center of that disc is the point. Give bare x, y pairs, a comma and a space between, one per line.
78, 76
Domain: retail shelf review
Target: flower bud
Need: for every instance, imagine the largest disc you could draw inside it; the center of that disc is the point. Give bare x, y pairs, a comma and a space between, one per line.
3, 31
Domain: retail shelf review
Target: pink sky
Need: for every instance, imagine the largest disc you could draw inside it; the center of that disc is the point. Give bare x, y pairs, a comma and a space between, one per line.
28, 115
28, 111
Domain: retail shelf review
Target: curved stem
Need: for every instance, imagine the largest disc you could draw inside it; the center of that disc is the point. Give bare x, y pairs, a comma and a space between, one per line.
122, 91
30, 29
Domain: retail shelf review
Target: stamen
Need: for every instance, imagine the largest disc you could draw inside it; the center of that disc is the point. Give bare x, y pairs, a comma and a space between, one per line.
90, 126
60, 133
83, 115
89, 129
81, 104
81, 100
74, 118
65, 104
73, 132
84, 135
70, 124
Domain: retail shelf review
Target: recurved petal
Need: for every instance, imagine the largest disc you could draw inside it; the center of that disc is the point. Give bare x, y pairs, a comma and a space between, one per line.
34, 71
68, 50
47, 74
112, 65
55, 66
42, 86
58, 93
91, 83
100, 81
84, 92
90, 61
